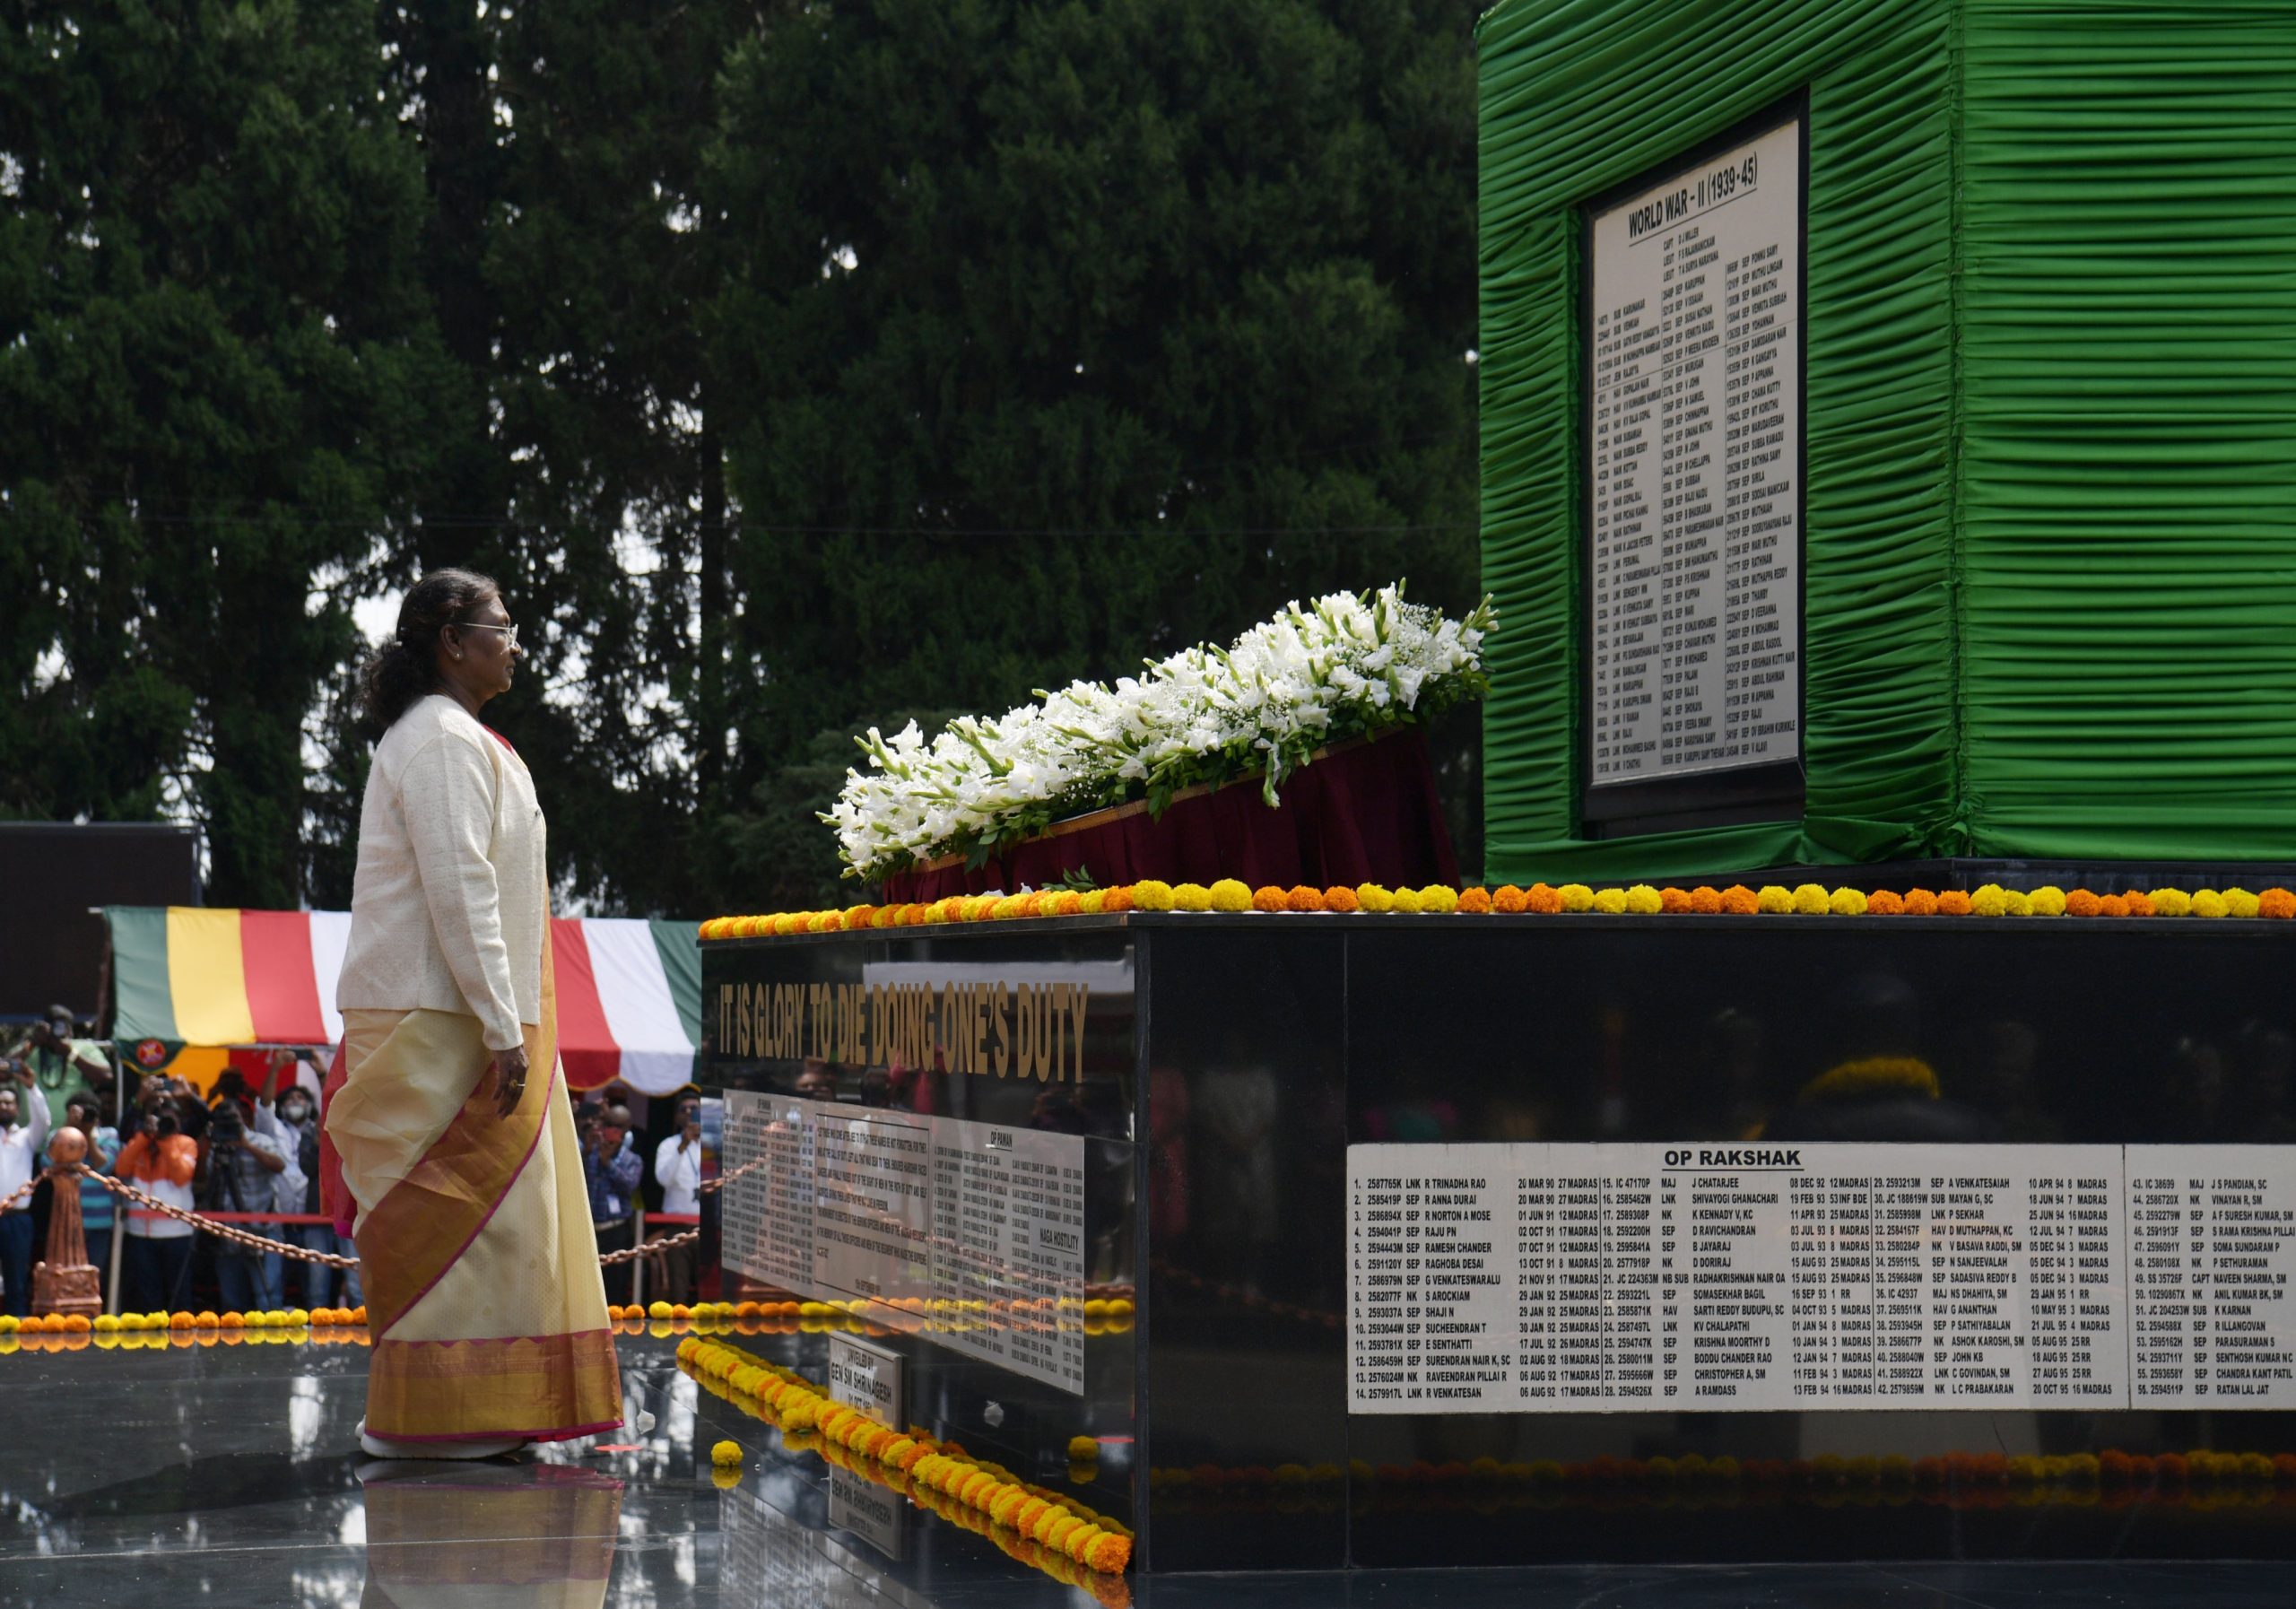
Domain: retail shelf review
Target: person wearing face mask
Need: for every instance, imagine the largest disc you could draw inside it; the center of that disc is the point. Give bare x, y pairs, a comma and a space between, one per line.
292, 1119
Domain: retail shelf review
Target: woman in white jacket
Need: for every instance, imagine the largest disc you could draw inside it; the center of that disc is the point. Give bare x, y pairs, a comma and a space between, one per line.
454, 1136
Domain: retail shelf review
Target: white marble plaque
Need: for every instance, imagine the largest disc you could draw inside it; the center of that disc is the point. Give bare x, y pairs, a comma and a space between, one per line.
973, 1234
1694, 455
1611, 1278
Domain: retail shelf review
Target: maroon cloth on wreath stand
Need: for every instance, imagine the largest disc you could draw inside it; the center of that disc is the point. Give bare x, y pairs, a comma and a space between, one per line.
1367, 813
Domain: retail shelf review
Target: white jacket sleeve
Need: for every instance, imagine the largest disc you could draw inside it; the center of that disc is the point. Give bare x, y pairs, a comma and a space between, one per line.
448, 795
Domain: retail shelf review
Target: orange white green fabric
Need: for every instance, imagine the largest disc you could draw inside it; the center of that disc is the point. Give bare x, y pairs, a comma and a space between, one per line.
484, 1300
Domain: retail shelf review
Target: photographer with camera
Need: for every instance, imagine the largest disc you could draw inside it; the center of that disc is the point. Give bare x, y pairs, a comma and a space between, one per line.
19, 1163
242, 1164
60, 1064
162, 1159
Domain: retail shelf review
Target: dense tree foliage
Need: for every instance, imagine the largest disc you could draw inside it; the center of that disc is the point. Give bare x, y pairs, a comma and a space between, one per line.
796, 366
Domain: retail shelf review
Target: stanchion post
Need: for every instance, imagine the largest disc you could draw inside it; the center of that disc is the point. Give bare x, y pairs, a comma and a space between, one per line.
637, 1264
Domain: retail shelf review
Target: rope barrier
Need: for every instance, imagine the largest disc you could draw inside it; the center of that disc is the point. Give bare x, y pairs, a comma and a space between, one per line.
222, 1225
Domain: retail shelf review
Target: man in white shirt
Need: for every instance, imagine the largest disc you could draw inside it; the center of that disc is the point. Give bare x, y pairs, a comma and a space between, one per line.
677, 1169
21, 1146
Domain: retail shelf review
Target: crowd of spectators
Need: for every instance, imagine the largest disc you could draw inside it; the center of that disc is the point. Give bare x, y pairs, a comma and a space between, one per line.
233, 1149
251, 1154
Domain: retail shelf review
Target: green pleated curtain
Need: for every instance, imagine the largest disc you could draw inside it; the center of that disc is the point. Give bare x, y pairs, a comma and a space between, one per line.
2050, 403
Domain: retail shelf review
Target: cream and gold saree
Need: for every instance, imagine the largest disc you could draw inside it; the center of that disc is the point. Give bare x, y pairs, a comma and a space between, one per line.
480, 1268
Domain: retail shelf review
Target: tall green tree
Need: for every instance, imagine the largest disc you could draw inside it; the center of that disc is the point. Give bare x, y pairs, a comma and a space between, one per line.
565, 253
215, 353
1063, 334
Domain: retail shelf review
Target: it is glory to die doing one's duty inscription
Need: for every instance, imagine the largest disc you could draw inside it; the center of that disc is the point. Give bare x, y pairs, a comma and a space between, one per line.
1609, 1278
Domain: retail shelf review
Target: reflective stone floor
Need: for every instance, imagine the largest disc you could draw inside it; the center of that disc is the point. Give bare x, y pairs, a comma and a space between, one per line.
230, 1475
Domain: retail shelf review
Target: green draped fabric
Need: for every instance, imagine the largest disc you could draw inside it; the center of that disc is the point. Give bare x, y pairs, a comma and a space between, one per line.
2051, 416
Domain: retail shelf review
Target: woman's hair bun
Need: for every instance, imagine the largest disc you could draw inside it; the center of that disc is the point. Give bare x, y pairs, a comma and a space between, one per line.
406, 668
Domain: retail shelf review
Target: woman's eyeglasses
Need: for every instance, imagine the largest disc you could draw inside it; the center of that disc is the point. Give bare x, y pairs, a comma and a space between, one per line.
509, 633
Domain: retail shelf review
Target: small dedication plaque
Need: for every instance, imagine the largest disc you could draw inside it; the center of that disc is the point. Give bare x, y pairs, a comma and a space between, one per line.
1622, 1278
869, 1379
1694, 462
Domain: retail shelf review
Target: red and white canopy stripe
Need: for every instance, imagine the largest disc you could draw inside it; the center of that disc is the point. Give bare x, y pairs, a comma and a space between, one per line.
629, 990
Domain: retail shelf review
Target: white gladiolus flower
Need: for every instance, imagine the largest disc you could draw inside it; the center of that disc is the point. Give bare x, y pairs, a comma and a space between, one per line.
1346, 665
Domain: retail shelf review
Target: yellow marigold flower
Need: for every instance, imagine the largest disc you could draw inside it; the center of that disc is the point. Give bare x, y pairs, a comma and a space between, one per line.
2171, 902
1371, 898
1088, 903
1439, 900
1151, 895
1846, 902
1643, 900
1610, 901
885, 916
1774, 900
2239, 902
1005, 908
1081, 1448
1267, 898
2016, 902
1575, 897
2048, 900
1990, 901
725, 1452
1810, 899
1067, 902
1403, 902
1191, 896
1080, 1539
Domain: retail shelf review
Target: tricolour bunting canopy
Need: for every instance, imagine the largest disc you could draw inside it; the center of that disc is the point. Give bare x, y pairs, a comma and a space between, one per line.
629, 991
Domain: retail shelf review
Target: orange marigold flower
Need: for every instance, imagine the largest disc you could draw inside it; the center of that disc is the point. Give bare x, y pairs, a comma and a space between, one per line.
1116, 901
2276, 903
1474, 902
1303, 898
1881, 902
1067, 902
1739, 900
2140, 904
1952, 902
1543, 900
1508, 900
1920, 902
2112, 905
1705, 902
1270, 898
1108, 1554
2081, 902
1673, 901
1340, 898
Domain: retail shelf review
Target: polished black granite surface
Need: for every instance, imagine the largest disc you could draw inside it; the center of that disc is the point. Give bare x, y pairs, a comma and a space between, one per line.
230, 1475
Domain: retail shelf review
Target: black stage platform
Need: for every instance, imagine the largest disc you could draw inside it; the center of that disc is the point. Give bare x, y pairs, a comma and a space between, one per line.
229, 1475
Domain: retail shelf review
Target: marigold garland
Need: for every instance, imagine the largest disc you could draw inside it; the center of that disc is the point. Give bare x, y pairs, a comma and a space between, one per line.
1230, 895
911, 1461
